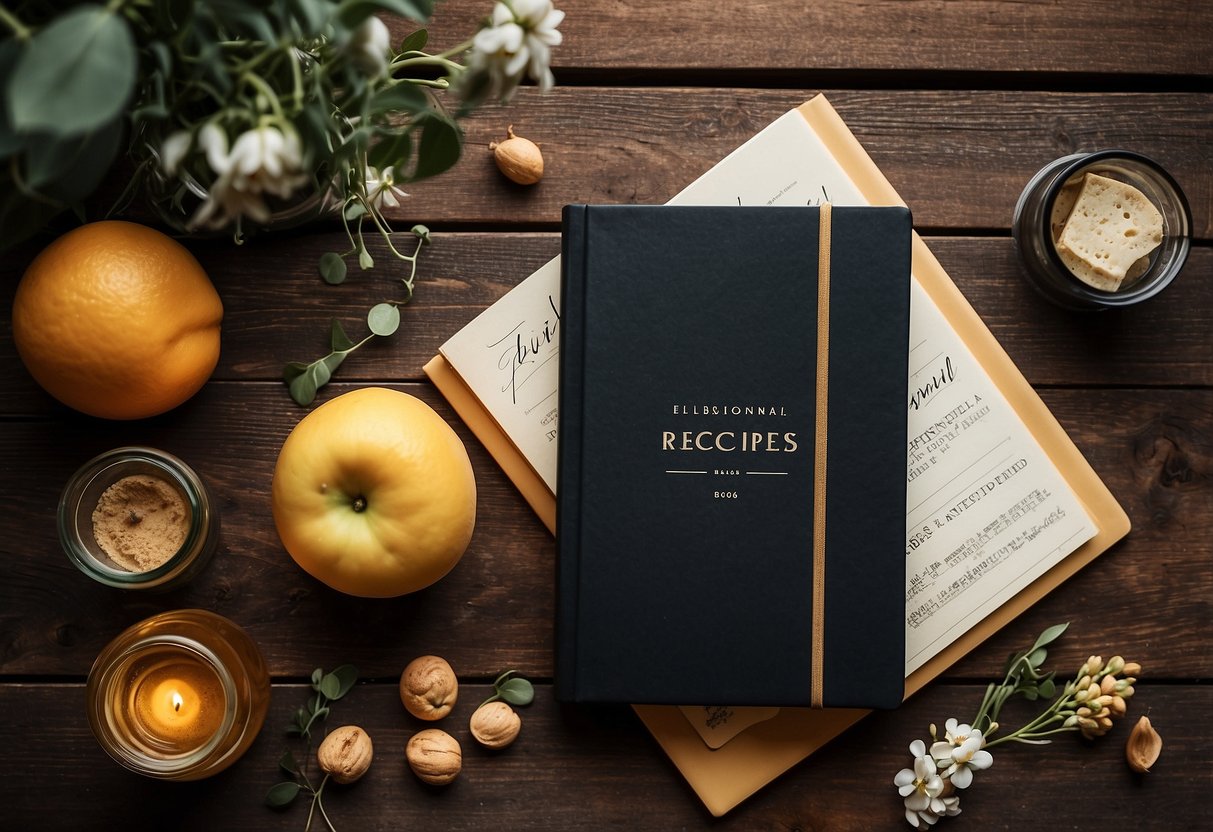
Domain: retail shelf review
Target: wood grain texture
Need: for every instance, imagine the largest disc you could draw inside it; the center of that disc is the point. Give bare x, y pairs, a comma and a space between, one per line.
966, 36
958, 158
586, 768
277, 309
1153, 448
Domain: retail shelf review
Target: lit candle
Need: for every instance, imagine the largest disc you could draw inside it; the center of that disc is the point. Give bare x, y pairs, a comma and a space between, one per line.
176, 701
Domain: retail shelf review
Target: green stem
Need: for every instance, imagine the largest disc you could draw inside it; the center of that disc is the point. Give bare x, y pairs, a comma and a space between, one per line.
425, 60
265, 89
320, 802
440, 84
20, 30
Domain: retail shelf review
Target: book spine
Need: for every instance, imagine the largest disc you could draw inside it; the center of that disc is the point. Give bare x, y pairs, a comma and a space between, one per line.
569, 445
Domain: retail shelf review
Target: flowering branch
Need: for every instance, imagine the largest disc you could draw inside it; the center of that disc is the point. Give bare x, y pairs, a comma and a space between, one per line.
1089, 703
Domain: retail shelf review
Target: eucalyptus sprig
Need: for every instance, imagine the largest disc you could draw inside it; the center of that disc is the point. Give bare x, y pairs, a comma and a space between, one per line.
327, 688
383, 319
512, 688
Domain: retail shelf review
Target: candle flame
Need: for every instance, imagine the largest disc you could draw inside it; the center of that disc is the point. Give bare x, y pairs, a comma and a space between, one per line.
177, 701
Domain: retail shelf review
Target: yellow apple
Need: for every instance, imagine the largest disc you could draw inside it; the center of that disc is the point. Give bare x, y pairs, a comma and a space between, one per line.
373, 494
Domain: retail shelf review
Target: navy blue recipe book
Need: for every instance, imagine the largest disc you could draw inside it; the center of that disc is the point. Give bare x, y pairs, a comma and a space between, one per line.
732, 475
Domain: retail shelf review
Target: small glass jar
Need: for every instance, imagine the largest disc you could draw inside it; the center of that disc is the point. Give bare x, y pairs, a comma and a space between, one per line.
84, 490
1032, 228
178, 696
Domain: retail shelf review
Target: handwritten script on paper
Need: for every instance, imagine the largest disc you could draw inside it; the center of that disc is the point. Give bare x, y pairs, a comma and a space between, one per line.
987, 512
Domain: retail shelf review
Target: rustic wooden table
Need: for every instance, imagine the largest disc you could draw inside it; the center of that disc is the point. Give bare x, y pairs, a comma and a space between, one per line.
959, 103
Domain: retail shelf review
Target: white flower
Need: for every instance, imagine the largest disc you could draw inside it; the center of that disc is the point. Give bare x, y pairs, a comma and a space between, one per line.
962, 753
264, 160
370, 45
517, 41
381, 188
173, 151
921, 785
213, 142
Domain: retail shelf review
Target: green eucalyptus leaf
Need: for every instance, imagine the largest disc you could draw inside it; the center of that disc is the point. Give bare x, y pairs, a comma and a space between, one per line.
287, 763
328, 365
354, 210
392, 150
1050, 635
352, 12
415, 42
68, 170
330, 686
517, 691
403, 97
421, 232
1037, 657
383, 319
76, 74
1047, 688
281, 794
313, 14
332, 268
293, 370
318, 673
10, 140
441, 144
347, 675
340, 343
303, 388
365, 260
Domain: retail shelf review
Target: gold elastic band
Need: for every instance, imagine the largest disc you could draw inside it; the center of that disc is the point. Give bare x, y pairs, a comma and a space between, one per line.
819, 456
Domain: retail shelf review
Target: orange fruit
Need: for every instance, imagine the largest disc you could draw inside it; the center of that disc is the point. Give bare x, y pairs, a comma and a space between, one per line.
117, 320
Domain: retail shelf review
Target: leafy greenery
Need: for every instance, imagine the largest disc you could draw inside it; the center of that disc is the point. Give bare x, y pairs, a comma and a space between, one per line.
512, 688
383, 319
327, 688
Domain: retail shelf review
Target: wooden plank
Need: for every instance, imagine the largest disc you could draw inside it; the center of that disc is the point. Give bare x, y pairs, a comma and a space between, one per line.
959, 159
1153, 448
587, 768
967, 36
278, 309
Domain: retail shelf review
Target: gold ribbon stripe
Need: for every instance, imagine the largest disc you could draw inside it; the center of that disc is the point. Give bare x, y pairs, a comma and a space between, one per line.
819, 456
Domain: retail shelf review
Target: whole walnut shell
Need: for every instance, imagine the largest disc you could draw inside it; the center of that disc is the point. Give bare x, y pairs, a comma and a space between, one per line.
434, 756
428, 688
495, 724
345, 754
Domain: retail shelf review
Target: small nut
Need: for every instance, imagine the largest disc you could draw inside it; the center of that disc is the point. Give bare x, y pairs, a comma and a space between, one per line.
434, 756
428, 688
345, 754
495, 724
1143, 746
518, 158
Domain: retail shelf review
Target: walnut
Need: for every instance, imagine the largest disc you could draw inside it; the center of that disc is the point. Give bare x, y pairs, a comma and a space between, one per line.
345, 754
434, 756
428, 688
495, 724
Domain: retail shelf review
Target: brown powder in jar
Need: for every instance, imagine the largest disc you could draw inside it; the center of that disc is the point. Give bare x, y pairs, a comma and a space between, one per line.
140, 522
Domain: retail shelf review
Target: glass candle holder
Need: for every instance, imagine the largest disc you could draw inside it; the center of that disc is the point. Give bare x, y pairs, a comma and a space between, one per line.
178, 696
78, 528
1033, 229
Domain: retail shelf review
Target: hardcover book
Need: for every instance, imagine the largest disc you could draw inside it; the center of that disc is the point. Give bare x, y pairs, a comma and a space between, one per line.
977, 550
731, 462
